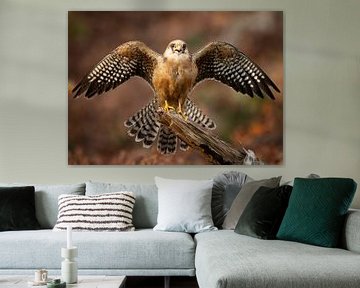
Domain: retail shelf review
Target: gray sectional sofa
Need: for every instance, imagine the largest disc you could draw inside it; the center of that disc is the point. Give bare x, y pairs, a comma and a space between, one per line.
218, 258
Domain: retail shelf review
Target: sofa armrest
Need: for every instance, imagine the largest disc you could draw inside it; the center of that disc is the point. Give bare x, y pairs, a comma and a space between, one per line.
351, 234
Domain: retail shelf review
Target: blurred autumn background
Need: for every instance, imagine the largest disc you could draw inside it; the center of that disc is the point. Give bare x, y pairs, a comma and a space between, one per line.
96, 134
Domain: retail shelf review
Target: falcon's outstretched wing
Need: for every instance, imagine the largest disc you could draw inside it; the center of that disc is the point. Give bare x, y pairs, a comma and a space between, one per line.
223, 62
130, 59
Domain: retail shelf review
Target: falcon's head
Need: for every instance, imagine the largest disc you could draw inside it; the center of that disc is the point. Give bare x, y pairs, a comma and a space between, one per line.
176, 47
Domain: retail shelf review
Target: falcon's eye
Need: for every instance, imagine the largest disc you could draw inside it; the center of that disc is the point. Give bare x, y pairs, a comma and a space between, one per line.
172, 45
184, 46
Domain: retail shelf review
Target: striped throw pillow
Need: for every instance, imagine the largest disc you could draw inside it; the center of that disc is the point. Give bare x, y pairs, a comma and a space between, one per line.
105, 212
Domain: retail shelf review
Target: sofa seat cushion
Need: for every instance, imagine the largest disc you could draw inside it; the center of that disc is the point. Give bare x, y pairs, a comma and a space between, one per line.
141, 249
226, 259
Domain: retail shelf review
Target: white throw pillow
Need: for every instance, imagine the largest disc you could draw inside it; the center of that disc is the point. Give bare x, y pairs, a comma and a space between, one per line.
184, 205
104, 212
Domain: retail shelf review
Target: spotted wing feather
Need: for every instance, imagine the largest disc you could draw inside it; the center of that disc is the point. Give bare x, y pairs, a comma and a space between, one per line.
223, 62
129, 59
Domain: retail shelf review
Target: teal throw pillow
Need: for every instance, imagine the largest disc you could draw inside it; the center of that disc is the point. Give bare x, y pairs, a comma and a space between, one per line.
316, 211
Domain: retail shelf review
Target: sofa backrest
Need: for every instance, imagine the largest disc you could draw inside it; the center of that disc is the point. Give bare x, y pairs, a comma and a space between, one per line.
146, 203
46, 200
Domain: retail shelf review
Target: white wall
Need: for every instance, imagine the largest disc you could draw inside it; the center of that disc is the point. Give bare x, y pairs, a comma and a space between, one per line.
322, 91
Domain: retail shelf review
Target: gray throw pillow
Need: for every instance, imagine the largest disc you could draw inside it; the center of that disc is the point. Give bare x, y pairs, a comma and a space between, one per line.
242, 199
226, 187
184, 205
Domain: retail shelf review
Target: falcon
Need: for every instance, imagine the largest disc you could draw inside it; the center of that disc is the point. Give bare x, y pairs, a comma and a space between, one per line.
172, 77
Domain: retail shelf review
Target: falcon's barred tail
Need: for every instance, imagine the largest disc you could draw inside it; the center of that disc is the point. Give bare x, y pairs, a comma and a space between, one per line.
197, 116
167, 141
145, 126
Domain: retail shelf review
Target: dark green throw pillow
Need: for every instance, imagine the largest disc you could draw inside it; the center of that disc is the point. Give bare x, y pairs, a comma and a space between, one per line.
316, 211
17, 208
263, 214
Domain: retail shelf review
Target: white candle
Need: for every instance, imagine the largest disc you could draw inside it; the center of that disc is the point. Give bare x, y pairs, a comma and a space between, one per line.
69, 239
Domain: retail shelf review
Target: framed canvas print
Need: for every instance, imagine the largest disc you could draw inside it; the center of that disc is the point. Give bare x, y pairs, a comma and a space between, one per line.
154, 88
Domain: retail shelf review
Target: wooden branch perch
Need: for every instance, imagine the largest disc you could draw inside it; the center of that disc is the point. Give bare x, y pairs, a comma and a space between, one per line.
214, 149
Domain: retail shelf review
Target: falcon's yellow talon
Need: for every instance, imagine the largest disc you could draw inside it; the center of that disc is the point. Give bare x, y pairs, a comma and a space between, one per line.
181, 113
167, 107
185, 117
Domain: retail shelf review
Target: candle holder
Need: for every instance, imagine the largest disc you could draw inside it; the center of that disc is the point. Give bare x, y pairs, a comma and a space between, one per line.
68, 265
